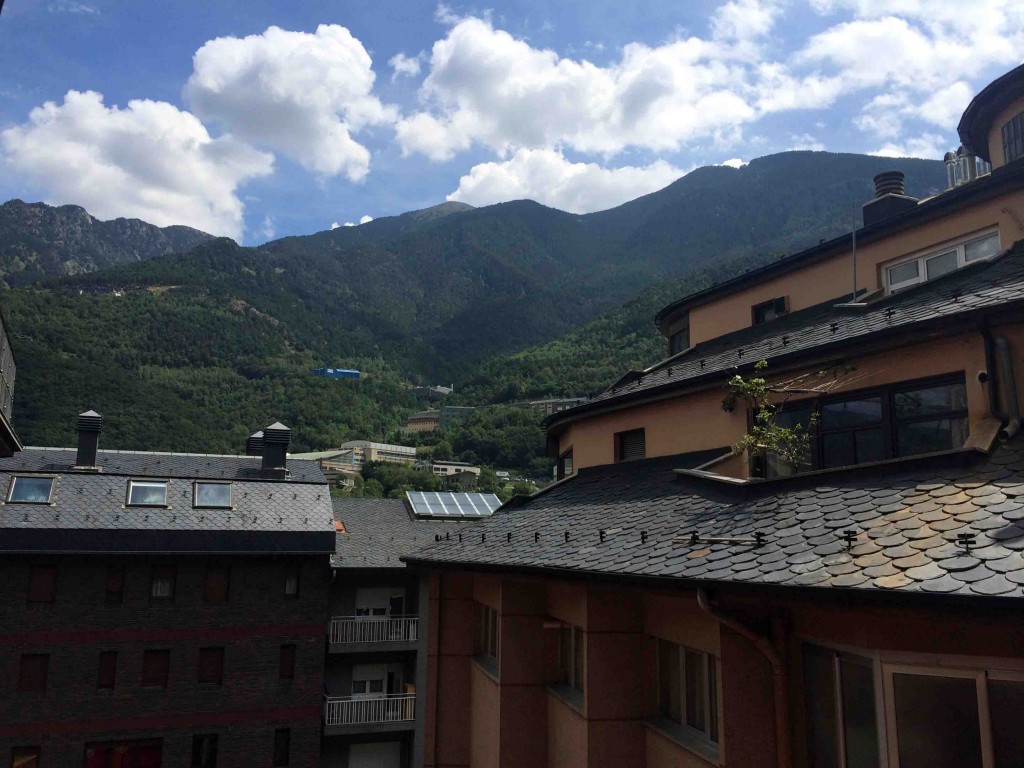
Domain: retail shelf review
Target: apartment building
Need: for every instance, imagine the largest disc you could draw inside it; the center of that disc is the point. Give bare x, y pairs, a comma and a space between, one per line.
673, 602
162, 609
376, 655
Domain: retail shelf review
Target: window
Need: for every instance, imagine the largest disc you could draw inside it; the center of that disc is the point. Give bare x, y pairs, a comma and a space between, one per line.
565, 465
161, 586
32, 672
114, 585
362, 687
839, 694
688, 690
215, 590
143, 753
291, 580
204, 750
25, 757
286, 662
901, 420
769, 310
571, 646
211, 666
487, 633
1013, 138
282, 747
209, 494
155, 668
630, 445
107, 673
30, 490
42, 584
940, 261
679, 341
147, 493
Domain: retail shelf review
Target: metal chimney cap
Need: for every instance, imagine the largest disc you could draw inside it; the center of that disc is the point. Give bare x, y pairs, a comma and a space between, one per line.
90, 421
277, 433
889, 183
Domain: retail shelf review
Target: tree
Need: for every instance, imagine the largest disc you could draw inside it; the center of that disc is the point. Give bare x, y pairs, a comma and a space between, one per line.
373, 489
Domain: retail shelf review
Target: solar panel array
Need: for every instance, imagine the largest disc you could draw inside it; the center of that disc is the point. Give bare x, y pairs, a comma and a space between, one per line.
450, 504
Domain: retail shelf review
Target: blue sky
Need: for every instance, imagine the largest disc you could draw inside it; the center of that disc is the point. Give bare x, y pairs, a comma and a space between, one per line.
263, 119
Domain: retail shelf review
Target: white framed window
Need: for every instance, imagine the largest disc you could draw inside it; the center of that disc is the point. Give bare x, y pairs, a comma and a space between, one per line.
935, 262
688, 690
26, 489
147, 493
209, 494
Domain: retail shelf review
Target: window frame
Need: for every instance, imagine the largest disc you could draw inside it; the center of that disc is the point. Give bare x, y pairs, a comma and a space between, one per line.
572, 668
562, 471
923, 256
488, 640
199, 740
132, 482
210, 666
293, 572
1012, 134
620, 437
195, 494
282, 744
26, 685
286, 659
779, 306
889, 422
690, 735
20, 753
106, 674
154, 578
14, 483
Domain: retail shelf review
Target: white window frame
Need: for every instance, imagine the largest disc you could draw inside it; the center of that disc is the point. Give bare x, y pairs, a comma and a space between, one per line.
921, 257
131, 486
703, 738
14, 482
195, 495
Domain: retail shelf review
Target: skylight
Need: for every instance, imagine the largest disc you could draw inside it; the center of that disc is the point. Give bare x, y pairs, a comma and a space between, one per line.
147, 493
208, 494
30, 490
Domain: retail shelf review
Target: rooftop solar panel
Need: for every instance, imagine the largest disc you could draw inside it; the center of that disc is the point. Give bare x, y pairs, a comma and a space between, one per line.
451, 504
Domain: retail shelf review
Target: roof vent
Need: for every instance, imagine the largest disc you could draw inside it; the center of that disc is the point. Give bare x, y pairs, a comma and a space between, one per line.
890, 198
89, 425
276, 438
254, 445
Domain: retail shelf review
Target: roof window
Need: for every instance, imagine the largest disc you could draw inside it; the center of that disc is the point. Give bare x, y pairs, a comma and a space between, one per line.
940, 261
147, 493
769, 310
208, 494
30, 490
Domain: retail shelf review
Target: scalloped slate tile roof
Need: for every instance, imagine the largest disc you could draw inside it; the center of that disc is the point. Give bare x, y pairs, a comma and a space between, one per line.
380, 531
987, 285
907, 519
88, 511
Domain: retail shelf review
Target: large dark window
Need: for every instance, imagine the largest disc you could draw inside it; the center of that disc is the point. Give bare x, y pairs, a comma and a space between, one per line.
215, 590
211, 666
769, 310
142, 753
204, 750
291, 580
571, 646
42, 584
114, 585
106, 676
487, 633
564, 465
839, 693
857, 428
32, 672
679, 341
630, 445
688, 689
1013, 138
282, 747
286, 662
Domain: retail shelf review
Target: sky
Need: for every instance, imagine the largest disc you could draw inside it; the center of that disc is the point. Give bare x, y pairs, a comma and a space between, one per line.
261, 119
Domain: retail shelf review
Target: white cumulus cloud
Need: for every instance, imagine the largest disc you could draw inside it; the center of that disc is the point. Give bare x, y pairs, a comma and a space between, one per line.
297, 93
335, 225
546, 176
149, 160
404, 66
364, 219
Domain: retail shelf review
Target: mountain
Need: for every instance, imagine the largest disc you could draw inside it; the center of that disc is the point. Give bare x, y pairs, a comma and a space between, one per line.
39, 241
447, 294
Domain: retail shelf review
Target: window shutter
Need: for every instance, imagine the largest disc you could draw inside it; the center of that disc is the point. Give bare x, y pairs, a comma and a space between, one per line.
781, 305
632, 445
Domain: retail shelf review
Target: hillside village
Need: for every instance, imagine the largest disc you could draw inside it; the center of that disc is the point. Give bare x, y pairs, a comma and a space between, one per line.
718, 477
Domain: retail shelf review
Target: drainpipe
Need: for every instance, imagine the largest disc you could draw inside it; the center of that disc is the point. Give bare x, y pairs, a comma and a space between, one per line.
1001, 383
780, 684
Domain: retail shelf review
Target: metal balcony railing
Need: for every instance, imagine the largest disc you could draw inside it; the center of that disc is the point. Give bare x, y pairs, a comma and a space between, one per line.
374, 629
346, 710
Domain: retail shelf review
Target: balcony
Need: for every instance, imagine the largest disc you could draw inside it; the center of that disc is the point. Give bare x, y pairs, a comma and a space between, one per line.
373, 633
348, 714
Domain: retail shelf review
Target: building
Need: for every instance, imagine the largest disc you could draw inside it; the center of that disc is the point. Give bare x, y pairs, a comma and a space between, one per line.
453, 414
376, 660
672, 602
161, 608
452, 468
336, 373
349, 459
422, 421
554, 405
433, 392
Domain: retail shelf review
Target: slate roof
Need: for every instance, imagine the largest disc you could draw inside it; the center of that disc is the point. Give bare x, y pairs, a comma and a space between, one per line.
984, 286
907, 517
380, 531
87, 512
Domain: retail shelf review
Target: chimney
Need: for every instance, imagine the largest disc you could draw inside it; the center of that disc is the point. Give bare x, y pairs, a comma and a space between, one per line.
890, 198
89, 425
276, 438
952, 172
254, 445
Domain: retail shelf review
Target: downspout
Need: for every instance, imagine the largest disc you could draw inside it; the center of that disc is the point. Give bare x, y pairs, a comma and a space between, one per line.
780, 682
1001, 383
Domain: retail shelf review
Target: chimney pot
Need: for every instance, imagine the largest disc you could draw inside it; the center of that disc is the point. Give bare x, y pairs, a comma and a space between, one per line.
889, 183
90, 424
276, 438
254, 444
